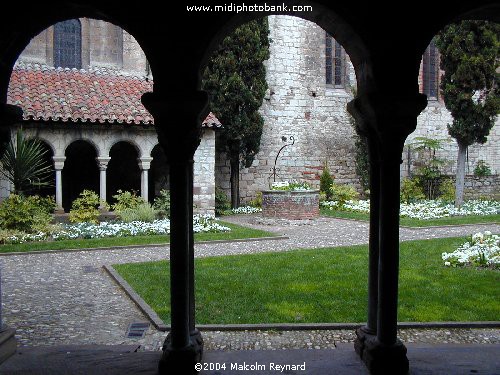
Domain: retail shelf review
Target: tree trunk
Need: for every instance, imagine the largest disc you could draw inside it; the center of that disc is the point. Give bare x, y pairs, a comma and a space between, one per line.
460, 178
235, 181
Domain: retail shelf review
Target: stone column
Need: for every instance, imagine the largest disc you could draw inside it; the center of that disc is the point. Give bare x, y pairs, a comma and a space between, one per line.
183, 346
388, 121
102, 164
58, 166
144, 166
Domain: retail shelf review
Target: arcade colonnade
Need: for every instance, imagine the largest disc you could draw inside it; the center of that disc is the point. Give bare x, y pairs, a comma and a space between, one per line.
386, 108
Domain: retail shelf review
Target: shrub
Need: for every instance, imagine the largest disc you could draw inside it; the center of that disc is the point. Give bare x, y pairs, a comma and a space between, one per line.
162, 204
143, 212
257, 201
85, 208
325, 182
25, 214
222, 204
447, 190
126, 199
342, 193
482, 169
411, 190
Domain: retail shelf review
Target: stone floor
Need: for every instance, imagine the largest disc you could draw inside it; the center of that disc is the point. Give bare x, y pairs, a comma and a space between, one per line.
66, 298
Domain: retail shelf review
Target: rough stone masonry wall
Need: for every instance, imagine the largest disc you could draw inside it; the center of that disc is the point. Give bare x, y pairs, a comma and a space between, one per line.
299, 103
204, 174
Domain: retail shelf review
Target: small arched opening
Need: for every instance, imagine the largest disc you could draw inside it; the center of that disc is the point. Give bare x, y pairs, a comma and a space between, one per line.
80, 171
123, 171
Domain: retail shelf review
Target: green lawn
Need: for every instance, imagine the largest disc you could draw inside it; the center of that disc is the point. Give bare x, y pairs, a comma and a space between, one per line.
237, 232
323, 285
405, 221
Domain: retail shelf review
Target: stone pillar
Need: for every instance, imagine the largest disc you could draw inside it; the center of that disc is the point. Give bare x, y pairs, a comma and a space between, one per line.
144, 166
102, 164
183, 346
387, 121
58, 167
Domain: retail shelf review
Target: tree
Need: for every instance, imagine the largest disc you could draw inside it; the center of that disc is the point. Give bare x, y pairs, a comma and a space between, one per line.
235, 80
24, 164
469, 57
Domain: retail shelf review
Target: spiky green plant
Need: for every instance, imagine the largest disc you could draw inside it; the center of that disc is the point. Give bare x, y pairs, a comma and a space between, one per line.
24, 164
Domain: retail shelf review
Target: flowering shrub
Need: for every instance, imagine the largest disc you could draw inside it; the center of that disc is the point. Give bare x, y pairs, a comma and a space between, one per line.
483, 250
424, 210
291, 185
342, 193
201, 223
246, 210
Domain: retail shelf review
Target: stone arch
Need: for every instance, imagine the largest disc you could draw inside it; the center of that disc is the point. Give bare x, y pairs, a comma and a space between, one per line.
123, 171
80, 171
129, 140
95, 145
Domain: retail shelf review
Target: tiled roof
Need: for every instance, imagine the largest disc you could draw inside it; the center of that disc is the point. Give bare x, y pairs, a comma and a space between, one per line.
97, 95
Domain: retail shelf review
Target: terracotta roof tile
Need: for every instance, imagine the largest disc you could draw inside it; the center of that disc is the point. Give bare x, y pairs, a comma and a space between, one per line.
97, 95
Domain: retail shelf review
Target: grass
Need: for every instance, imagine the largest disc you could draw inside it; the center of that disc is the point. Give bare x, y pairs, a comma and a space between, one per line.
408, 222
237, 232
323, 285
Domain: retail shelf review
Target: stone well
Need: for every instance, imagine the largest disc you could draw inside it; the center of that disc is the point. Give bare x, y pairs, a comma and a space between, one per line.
292, 205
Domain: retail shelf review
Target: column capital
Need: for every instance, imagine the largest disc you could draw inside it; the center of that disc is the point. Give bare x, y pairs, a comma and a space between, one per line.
59, 161
102, 162
387, 115
178, 118
387, 120
144, 162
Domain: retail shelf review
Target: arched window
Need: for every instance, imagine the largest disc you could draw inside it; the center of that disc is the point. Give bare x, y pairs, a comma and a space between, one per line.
335, 62
430, 77
68, 44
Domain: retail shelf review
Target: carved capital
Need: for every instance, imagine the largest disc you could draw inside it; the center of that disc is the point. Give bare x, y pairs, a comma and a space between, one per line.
102, 162
59, 162
178, 121
144, 162
387, 120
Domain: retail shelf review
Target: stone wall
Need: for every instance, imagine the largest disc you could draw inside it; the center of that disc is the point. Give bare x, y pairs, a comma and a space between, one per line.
482, 187
432, 123
103, 44
204, 174
299, 103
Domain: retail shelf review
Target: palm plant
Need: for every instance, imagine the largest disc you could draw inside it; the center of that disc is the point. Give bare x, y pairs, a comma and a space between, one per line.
24, 164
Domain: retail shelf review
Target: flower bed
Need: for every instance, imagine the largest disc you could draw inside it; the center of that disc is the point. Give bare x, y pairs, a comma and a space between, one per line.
201, 223
483, 250
424, 210
246, 210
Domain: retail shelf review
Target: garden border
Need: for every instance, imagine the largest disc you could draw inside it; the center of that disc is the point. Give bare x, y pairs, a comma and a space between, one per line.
161, 326
256, 239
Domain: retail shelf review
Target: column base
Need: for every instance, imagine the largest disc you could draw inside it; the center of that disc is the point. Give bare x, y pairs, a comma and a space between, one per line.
181, 361
362, 334
8, 344
383, 359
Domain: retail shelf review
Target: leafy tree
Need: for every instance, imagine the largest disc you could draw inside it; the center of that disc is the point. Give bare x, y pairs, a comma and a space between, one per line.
235, 80
469, 56
24, 164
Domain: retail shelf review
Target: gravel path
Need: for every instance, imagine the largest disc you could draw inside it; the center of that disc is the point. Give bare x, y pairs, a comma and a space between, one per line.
66, 298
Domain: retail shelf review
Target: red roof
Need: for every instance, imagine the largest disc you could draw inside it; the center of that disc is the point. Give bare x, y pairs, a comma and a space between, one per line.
98, 95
